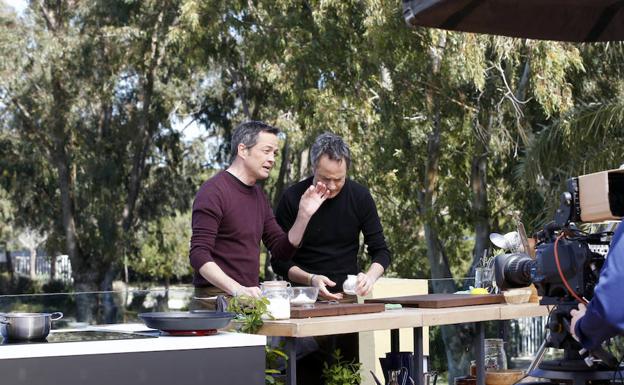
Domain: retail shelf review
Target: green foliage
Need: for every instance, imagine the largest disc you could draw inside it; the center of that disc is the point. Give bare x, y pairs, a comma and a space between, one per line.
87, 93
274, 356
164, 248
341, 372
249, 312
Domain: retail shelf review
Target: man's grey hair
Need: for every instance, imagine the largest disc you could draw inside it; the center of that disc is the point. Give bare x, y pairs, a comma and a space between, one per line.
247, 134
331, 145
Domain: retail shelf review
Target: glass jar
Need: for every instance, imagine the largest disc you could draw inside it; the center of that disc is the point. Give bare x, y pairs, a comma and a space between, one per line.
483, 277
495, 357
279, 302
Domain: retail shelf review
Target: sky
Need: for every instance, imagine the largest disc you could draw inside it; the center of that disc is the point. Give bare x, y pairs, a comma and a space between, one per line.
18, 5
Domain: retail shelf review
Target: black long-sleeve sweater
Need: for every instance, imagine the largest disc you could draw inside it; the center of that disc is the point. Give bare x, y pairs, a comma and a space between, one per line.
331, 240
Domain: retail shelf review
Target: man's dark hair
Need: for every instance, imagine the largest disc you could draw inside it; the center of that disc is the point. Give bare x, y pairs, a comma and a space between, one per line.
331, 145
247, 134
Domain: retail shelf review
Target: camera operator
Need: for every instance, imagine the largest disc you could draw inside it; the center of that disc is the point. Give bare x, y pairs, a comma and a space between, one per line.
603, 317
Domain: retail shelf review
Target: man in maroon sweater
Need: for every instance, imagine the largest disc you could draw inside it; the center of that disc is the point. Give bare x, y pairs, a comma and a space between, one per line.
231, 215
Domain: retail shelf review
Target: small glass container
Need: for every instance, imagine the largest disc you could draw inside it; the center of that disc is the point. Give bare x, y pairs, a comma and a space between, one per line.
304, 296
495, 357
279, 302
483, 277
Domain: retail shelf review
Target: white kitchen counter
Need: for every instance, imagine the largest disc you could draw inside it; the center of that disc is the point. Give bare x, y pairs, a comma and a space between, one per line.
162, 343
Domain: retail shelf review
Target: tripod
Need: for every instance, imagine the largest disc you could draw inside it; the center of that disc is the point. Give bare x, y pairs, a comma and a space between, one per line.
577, 366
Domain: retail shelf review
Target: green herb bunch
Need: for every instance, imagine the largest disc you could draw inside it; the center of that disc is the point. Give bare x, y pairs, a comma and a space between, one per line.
248, 312
342, 372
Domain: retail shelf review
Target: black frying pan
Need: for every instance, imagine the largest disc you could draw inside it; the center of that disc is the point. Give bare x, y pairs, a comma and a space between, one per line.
186, 321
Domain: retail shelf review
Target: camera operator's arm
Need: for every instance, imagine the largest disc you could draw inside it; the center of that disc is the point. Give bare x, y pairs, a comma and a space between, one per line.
576, 315
604, 316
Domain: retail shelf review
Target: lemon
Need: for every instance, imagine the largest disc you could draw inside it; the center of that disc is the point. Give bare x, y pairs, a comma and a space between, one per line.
478, 290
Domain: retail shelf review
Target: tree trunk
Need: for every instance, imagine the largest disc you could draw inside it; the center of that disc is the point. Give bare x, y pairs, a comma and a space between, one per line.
84, 278
435, 253
478, 179
9, 262
454, 337
281, 177
33, 263
52, 267
109, 309
86, 299
303, 164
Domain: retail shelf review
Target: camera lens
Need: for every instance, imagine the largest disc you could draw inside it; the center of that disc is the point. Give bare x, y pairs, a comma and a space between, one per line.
513, 270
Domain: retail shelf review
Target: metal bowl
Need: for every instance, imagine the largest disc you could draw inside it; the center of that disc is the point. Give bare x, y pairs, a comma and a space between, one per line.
27, 326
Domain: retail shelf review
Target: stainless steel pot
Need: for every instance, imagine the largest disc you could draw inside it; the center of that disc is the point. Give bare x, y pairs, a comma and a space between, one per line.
27, 326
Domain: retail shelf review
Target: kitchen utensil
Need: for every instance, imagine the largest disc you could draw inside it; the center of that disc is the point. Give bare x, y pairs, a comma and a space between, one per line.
197, 320
524, 240
375, 378
27, 326
483, 277
304, 295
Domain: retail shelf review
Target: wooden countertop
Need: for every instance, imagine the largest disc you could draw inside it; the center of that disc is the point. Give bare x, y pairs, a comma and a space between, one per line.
399, 318
319, 326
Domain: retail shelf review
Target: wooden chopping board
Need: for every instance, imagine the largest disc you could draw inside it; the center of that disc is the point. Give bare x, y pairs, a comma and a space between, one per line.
437, 301
325, 309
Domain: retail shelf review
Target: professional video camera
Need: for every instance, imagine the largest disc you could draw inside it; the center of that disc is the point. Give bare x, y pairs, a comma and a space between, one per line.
567, 264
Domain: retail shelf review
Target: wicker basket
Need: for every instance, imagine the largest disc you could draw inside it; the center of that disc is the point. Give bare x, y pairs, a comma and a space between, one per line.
516, 296
503, 377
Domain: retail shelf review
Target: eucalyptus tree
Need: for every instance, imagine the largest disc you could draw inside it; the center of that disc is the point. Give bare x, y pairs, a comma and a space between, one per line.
87, 90
589, 136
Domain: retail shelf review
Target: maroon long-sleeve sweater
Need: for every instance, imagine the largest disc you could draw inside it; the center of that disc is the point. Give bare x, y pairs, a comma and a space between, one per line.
229, 220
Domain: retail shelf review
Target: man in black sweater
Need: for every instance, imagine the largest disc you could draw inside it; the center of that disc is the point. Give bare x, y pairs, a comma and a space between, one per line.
330, 244
328, 251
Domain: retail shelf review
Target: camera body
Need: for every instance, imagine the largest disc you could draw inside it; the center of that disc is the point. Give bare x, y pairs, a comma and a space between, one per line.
565, 254
568, 261
577, 262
